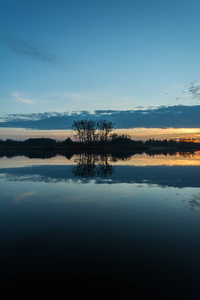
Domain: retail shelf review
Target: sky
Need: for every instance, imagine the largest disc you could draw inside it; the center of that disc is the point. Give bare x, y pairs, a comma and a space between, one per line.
79, 57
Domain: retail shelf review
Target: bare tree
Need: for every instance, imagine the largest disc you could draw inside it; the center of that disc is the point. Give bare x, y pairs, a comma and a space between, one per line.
85, 131
88, 131
105, 127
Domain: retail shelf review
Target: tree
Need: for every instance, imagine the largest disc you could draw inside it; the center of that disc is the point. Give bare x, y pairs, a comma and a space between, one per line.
68, 141
88, 131
85, 130
121, 138
105, 127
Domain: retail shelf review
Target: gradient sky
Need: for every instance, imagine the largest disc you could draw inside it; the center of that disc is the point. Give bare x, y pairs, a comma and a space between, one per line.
72, 55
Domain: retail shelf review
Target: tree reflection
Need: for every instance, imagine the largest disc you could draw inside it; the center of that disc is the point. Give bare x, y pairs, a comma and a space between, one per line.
92, 165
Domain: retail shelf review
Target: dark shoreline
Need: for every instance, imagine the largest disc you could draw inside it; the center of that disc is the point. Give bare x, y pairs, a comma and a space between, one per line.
119, 151
122, 147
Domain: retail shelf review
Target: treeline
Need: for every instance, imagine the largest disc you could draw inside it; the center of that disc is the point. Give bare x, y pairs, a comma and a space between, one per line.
172, 143
32, 142
113, 140
97, 134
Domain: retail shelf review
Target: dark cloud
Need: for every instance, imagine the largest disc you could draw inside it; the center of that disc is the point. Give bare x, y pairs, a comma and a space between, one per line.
194, 90
162, 117
26, 48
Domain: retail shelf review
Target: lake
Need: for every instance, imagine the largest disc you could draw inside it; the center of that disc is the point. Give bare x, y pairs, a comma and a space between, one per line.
101, 225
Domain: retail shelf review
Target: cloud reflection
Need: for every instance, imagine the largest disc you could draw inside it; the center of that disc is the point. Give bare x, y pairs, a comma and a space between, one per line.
164, 176
23, 197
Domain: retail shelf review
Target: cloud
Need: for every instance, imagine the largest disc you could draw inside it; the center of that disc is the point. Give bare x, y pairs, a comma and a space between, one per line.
194, 90
21, 99
26, 48
102, 99
23, 197
178, 116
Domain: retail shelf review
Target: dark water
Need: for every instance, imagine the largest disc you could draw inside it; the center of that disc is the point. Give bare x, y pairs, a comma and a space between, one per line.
98, 228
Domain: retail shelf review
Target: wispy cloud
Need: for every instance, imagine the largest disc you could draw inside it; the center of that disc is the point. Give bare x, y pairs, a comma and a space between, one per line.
24, 47
21, 99
194, 90
93, 99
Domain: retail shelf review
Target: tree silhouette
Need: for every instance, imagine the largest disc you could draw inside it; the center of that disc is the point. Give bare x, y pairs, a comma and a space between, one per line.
88, 131
105, 127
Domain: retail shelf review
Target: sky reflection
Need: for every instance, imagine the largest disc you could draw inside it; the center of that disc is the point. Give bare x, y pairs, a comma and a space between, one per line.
175, 159
76, 222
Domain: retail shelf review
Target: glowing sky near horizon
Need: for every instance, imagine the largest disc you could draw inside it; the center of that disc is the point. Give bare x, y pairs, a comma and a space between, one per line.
135, 133
73, 55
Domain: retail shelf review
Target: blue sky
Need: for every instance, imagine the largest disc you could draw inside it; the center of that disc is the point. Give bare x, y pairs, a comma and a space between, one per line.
74, 55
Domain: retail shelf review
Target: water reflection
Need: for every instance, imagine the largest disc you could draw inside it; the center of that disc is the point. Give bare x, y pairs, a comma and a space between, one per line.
164, 176
23, 197
117, 155
194, 202
134, 159
92, 165
93, 223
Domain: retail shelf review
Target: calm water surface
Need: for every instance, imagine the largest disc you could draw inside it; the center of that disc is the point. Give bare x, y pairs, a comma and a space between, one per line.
101, 225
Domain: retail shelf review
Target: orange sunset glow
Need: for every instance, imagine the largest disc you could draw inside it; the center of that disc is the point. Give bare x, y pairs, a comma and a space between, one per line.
135, 133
